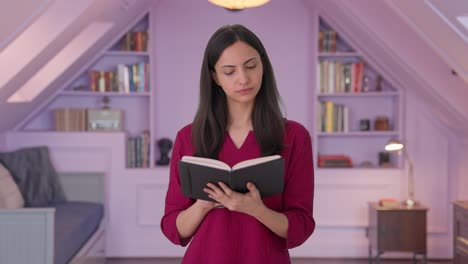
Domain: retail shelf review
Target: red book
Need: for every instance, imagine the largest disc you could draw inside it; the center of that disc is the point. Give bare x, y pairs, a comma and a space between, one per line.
388, 202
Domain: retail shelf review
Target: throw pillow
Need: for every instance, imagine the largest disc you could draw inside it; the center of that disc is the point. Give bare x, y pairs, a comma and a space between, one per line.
35, 175
10, 196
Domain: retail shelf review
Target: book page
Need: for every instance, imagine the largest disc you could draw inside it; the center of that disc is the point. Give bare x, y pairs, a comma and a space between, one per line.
206, 162
250, 162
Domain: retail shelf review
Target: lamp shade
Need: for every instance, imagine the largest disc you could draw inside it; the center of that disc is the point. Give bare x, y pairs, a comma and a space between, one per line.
238, 4
394, 145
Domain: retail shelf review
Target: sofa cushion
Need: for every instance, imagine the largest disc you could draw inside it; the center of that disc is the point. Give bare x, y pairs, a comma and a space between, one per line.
75, 223
10, 196
35, 175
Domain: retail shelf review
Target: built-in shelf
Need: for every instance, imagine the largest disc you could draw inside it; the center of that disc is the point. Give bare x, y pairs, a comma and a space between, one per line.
357, 109
337, 169
360, 94
358, 134
126, 53
338, 54
89, 93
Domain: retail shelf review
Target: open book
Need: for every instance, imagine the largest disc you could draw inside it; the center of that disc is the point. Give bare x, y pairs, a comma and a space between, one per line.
267, 173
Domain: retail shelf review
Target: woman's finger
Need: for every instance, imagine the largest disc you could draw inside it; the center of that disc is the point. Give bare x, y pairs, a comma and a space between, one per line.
214, 188
225, 188
251, 187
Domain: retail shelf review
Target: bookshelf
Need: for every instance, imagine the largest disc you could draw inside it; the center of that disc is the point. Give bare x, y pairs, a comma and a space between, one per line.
357, 109
118, 79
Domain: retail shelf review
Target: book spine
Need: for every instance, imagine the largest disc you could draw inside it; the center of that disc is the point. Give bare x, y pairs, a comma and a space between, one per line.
230, 181
186, 182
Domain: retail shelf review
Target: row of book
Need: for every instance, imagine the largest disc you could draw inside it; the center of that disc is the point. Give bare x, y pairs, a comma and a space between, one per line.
87, 119
332, 117
327, 41
126, 78
138, 150
70, 119
340, 77
134, 41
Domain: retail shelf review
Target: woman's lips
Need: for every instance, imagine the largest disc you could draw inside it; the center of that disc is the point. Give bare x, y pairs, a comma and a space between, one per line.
244, 91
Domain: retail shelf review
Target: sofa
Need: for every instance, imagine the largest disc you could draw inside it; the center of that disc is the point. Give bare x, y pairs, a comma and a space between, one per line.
48, 217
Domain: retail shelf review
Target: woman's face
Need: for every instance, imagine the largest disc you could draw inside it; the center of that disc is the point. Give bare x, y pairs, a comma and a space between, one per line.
239, 72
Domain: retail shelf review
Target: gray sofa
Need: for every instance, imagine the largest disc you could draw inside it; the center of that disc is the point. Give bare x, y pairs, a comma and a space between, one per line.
62, 221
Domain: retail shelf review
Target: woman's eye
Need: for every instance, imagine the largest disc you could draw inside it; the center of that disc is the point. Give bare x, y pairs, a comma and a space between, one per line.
229, 73
251, 66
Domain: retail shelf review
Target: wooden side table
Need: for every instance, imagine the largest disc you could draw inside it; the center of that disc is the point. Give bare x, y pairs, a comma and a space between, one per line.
460, 232
399, 228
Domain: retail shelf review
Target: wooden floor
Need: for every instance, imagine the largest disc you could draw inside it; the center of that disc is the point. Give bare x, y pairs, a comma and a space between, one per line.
293, 261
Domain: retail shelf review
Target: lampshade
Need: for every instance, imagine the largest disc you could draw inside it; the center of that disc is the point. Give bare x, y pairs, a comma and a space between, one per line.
394, 145
238, 4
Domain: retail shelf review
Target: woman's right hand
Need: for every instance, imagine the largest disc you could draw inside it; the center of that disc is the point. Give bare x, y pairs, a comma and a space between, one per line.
206, 205
189, 219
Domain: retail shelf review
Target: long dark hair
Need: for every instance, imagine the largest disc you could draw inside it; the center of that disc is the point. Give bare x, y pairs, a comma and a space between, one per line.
209, 124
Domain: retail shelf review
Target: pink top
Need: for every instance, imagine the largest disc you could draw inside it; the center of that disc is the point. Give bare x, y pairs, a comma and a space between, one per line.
231, 237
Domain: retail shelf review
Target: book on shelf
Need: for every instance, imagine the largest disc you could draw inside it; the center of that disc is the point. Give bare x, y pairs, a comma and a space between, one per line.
327, 41
266, 173
134, 41
389, 202
334, 161
332, 117
70, 119
340, 77
138, 150
132, 78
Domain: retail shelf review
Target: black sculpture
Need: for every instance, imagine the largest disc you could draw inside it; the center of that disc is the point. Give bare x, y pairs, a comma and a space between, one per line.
165, 145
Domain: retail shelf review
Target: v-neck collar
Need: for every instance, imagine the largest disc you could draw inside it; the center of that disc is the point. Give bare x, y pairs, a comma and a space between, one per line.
247, 139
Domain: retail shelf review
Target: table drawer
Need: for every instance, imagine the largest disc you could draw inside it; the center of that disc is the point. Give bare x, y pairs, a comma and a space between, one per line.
461, 230
461, 215
461, 244
461, 253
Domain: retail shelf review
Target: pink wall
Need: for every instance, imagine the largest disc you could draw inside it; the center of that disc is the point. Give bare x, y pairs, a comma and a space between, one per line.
181, 31
184, 27
2, 142
287, 37
411, 60
459, 168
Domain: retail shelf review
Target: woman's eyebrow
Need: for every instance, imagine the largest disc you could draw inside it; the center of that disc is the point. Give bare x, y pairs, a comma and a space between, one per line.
233, 66
249, 60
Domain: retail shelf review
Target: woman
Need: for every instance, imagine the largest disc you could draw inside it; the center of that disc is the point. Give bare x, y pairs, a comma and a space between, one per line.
239, 118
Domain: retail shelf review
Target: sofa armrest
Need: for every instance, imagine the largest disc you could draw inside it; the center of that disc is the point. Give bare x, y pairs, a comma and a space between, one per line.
27, 235
28, 210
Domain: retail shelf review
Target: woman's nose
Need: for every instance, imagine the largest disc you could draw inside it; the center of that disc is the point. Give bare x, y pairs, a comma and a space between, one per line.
243, 77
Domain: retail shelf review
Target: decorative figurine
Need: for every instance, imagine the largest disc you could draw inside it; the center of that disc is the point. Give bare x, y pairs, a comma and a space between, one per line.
364, 124
365, 87
165, 145
105, 102
378, 86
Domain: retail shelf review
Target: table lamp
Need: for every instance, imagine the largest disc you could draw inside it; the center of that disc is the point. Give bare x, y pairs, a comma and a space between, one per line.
396, 145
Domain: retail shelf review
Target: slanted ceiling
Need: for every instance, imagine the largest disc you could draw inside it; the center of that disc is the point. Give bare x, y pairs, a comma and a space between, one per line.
403, 53
18, 15
413, 46
119, 13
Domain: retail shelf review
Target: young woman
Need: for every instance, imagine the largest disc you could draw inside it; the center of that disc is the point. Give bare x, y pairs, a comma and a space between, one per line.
239, 118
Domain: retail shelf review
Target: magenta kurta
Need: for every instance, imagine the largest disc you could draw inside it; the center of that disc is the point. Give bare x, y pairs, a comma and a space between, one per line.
231, 237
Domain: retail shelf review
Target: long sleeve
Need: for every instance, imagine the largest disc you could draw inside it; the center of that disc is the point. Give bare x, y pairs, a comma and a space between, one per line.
175, 201
299, 192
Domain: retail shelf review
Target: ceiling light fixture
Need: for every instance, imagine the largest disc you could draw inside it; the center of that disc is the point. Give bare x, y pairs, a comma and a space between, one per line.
238, 4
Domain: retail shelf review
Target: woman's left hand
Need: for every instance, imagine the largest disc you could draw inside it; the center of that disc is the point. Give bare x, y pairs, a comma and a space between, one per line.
249, 203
